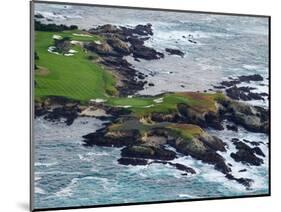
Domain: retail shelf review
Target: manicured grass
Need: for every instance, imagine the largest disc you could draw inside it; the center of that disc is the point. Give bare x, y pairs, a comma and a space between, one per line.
75, 76
144, 106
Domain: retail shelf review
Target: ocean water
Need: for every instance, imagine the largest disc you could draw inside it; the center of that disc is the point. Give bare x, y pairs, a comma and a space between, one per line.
69, 174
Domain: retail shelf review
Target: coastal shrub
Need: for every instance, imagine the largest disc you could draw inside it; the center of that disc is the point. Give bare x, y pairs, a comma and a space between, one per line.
36, 56
53, 27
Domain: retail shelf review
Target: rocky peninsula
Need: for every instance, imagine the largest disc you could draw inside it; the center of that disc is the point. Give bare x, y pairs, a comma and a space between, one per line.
155, 129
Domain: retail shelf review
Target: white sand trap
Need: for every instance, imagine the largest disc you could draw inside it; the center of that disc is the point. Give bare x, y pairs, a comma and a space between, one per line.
72, 51
98, 100
51, 49
160, 100
57, 37
92, 112
82, 35
148, 106
129, 97
97, 42
76, 42
124, 106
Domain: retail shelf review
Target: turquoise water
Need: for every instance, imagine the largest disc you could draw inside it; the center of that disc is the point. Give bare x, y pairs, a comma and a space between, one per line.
69, 174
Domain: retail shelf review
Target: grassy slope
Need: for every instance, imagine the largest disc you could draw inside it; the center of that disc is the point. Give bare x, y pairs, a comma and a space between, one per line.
75, 76
143, 106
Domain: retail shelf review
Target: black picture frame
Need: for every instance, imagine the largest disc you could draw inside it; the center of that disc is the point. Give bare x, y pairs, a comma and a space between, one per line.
137, 8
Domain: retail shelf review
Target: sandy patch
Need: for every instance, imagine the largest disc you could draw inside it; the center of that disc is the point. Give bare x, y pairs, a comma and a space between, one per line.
124, 106
42, 71
82, 35
97, 42
57, 37
148, 106
68, 54
98, 100
76, 42
159, 100
92, 112
72, 51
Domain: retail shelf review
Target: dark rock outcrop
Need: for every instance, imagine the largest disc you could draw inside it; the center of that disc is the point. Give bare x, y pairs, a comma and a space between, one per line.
63, 112
232, 127
102, 48
248, 78
116, 139
119, 45
199, 150
244, 181
149, 152
52, 27
132, 161
253, 118
144, 52
174, 52
62, 45
246, 154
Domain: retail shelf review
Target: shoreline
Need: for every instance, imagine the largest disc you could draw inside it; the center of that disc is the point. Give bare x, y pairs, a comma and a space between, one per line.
148, 140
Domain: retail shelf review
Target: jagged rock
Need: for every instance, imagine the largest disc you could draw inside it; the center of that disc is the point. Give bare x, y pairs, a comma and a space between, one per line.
252, 118
244, 181
174, 52
213, 142
100, 48
38, 15
144, 52
254, 143
132, 161
113, 138
243, 93
197, 149
107, 28
245, 154
62, 45
63, 112
178, 166
254, 77
150, 152
232, 127
119, 45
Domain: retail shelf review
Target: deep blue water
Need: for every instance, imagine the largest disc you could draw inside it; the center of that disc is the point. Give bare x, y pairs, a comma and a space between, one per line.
69, 174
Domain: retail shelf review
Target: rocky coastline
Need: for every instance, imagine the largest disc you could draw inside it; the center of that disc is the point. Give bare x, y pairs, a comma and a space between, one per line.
159, 137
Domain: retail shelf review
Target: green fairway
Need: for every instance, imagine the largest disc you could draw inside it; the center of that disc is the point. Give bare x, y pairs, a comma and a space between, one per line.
75, 77
167, 103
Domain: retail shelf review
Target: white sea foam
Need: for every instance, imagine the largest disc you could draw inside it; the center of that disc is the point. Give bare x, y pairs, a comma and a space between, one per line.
186, 196
68, 190
45, 164
39, 190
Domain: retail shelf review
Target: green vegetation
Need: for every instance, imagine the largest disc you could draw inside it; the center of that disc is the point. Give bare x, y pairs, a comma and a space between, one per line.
75, 76
167, 103
186, 131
